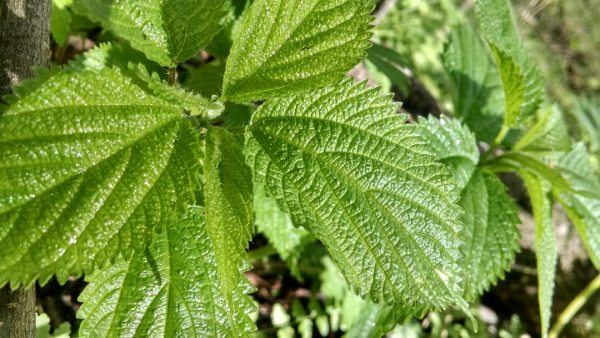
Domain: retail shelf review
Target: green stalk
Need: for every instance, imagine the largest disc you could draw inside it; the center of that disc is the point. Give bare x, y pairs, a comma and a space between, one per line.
573, 307
497, 141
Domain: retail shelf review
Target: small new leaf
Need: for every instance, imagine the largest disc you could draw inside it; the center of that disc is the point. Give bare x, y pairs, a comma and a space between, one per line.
290, 46
346, 166
171, 289
89, 164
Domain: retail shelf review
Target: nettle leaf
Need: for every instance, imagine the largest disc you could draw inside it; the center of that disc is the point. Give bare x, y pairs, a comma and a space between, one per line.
491, 233
170, 289
89, 164
498, 26
228, 201
583, 208
277, 226
545, 244
289, 46
452, 144
167, 31
549, 137
346, 166
513, 84
478, 96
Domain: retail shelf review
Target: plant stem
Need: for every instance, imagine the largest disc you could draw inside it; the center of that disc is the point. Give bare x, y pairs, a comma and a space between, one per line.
262, 252
573, 307
172, 79
497, 141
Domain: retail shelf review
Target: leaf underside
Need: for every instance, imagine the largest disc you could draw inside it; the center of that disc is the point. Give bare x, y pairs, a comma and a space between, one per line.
89, 165
345, 165
169, 290
289, 46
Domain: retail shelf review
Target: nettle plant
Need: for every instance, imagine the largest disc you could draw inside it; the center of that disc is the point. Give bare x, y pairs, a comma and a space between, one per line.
109, 170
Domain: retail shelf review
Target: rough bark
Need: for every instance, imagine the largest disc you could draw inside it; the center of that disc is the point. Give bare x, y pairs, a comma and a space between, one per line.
24, 39
24, 42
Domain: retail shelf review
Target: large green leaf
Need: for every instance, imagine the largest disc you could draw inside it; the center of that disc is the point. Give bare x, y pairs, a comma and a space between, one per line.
545, 244
89, 164
169, 290
167, 31
491, 233
583, 207
228, 201
289, 46
478, 96
519, 74
346, 166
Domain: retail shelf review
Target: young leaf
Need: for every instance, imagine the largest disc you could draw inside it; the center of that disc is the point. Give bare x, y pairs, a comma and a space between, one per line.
452, 144
169, 290
545, 244
167, 31
583, 210
228, 200
346, 166
491, 233
497, 24
478, 95
289, 46
549, 137
87, 171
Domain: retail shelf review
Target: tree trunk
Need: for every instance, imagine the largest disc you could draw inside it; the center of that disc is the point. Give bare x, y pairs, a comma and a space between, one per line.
24, 42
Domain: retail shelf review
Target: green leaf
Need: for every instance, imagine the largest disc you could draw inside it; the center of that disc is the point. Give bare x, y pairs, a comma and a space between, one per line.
60, 21
228, 200
167, 31
513, 84
491, 233
452, 144
388, 62
545, 244
290, 46
346, 166
549, 137
478, 96
497, 24
169, 290
277, 226
87, 172
583, 208
207, 79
